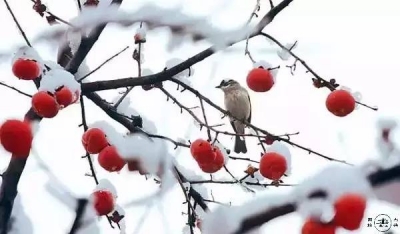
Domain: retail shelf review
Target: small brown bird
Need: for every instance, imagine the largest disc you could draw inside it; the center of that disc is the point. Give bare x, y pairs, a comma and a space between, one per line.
237, 103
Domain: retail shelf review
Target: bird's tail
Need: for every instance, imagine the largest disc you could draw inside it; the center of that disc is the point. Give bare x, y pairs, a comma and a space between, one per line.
240, 145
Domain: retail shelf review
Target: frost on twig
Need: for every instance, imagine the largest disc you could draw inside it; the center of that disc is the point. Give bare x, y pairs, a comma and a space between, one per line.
284, 52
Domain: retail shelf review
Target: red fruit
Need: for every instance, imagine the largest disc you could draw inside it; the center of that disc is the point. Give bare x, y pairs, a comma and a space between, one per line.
315, 227
260, 80
64, 96
273, 166
16, 137
215, 165
340, 103
202, 151
269, 140
350, 210
26, 69
103, 202
110, 160
94, 140
45, 105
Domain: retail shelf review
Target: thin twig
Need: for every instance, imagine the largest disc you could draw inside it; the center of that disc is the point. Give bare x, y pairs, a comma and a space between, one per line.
235, 182
101, 65
88, 156
275, 137
253, 14
17, 23
139, 64
205, 119
322, 81
79, 5
15, 89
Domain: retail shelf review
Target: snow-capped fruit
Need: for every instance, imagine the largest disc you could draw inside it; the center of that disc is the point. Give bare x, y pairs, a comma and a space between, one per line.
94, 140
216, 164
26, 69
45, 105
103, 202
260, 80
315, 227
202, 151
110, 160
350, 209
340, 103
139, 38
16, 137
273, 166
64, 96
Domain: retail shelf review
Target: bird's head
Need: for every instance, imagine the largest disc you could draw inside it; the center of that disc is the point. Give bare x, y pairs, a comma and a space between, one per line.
228, 84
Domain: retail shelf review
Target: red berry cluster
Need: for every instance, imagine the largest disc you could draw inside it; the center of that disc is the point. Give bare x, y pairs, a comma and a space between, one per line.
209, 157
349, 212
47, 104
94, 141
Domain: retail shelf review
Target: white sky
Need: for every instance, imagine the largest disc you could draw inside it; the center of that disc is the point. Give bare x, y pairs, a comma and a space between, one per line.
353, 41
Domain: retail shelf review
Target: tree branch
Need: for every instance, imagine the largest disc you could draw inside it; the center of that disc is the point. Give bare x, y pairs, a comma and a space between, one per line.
167, 74
376, 179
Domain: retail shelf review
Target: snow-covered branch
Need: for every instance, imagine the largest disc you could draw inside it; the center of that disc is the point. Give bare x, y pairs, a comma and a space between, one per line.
326, 185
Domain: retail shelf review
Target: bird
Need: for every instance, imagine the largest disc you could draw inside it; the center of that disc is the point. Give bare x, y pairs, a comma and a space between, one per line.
238, 104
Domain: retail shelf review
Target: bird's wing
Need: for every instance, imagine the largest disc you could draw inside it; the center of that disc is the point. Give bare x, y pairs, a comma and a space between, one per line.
233, 125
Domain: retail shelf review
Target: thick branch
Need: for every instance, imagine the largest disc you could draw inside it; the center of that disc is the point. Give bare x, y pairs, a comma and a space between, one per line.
11, 176
86, 45
80, 209
127, 123
376, 179
167, 74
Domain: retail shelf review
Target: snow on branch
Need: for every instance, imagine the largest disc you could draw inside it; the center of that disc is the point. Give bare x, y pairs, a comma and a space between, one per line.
155, 17
326, 185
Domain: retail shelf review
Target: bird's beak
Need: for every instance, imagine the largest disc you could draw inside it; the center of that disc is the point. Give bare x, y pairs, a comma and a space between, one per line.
218, 87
